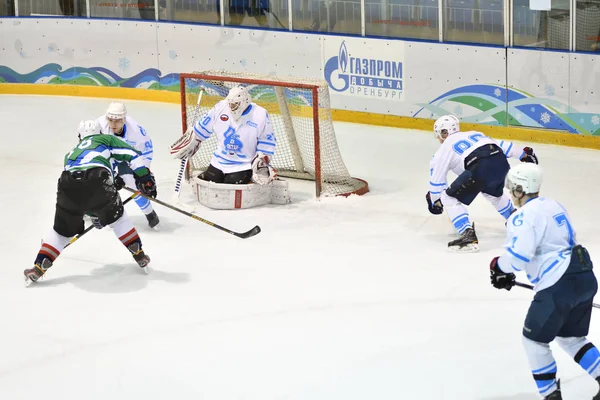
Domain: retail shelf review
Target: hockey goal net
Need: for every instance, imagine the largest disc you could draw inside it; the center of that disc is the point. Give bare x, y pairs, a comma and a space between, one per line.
300, 113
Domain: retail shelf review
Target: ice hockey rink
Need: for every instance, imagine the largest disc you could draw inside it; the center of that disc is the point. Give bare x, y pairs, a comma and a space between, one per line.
345, 298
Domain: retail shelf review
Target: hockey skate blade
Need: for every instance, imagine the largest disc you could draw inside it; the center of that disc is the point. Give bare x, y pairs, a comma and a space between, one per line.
145, 269
469, 248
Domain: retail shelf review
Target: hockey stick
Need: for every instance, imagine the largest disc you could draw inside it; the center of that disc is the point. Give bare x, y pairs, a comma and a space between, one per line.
89, 228
530, 287
182, 168
243, 235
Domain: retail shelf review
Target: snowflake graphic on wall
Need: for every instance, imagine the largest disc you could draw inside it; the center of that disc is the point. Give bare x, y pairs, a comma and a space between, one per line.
545, 117
172, 54
595, 120
243, 62
124, 63
532, 109
549, 90
497, 92
458, 110
518, 116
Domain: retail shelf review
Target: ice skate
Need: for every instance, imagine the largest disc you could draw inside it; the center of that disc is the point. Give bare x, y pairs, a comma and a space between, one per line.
466, 243
38, 270
139, 256
153, 219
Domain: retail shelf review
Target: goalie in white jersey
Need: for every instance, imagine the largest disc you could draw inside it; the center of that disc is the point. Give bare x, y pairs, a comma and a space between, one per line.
541, 242
245, 141
481, 166
116, 122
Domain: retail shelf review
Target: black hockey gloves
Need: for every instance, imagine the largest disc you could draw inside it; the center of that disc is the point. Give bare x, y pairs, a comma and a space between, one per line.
119, 183
499, 279
529, 156
96, 222
435, 208
146, 184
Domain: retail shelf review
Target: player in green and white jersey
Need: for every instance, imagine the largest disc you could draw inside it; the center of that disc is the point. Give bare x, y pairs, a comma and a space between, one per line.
86, 186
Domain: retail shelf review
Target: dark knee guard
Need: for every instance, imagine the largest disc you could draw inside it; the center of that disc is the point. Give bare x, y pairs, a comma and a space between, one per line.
110, 212
464, 188
239, 178
212, 174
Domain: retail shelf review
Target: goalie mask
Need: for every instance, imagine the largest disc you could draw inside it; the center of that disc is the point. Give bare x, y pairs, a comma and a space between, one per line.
115, 115
444, 126
88, 128
238, 100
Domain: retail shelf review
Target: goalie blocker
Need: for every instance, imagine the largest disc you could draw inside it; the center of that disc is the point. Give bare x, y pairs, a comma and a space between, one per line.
223, 196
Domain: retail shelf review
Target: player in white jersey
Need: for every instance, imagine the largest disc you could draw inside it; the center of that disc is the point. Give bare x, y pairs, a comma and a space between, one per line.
541, 242
116, 122
480, 165
245, 141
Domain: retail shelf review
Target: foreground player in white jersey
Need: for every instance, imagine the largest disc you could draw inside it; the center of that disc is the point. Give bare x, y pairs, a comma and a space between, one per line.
116, 122
245, 141
481, 166
541, 241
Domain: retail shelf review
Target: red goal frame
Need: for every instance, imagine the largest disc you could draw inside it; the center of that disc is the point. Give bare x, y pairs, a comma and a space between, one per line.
315, 115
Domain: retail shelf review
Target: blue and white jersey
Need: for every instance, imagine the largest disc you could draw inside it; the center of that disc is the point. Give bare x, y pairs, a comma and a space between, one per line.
237, 141
134, 135
451, 157
540, 237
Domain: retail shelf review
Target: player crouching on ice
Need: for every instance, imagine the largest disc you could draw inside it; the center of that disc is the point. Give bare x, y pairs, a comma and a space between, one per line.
86, 186
541, 242
480, 165
245, 147
116, 122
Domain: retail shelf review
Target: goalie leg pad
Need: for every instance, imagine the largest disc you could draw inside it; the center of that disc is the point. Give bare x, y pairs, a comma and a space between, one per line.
223, 196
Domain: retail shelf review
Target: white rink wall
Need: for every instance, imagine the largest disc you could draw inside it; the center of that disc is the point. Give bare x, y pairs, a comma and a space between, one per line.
492, 85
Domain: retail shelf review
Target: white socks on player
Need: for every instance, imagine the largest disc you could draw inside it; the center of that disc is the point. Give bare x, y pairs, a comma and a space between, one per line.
457, 211
143, 203
543, 365
502, 204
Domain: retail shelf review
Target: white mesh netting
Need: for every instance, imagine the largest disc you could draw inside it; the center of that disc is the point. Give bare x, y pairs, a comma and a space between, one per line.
291, 110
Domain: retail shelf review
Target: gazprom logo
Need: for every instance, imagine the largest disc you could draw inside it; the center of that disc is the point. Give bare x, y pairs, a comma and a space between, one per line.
343, 57
370, 77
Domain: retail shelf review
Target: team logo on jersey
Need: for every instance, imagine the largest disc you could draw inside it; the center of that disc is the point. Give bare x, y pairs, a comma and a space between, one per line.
232, 143
348, 73
252, 124
224, 117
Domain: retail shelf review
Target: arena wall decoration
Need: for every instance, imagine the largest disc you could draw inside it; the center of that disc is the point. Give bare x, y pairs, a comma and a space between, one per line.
523, 94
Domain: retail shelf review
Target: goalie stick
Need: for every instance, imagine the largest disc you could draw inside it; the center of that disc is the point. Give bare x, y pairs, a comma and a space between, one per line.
530, 287
243, 235
184, 163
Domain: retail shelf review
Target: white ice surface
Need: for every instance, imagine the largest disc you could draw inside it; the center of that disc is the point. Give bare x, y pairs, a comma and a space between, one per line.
342, 299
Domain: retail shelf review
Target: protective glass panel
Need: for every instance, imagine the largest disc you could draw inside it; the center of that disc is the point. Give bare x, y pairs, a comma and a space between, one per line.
7, 8
203, 11
327, 16
123, 9
271, 14
48, 8
402, 18
587, 21
474, 21
546, 28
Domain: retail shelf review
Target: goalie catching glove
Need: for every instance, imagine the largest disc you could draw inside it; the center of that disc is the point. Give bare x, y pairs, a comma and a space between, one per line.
187, 145
262, 172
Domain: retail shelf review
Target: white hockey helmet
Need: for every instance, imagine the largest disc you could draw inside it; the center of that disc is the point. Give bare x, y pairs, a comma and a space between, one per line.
238, 100
88, 128
525, 178
446, 122
116, 110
